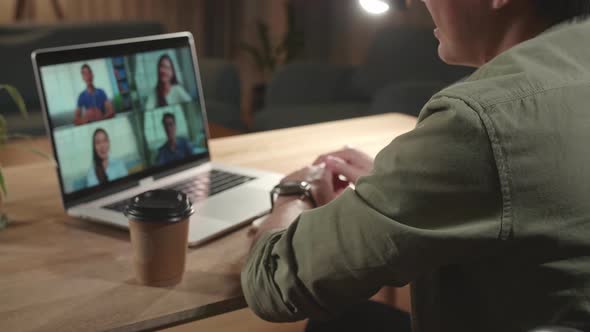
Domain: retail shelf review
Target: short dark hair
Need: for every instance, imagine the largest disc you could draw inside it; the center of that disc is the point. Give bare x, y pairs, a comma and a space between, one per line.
168, 116
85, 66
558, 11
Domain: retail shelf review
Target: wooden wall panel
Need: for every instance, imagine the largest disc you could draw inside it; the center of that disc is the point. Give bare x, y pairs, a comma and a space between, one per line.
355, 29
351, 29
338, 31
6, 11
176, 15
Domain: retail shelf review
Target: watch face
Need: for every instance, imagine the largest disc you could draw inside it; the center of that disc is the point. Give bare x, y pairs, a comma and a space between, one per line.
293, 188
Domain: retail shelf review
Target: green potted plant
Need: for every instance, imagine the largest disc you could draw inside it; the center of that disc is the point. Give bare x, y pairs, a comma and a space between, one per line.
268, 56
4, 137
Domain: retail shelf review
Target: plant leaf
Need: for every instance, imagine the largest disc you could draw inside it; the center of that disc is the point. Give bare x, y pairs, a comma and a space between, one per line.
17, 98
293, 41
3, 133
255, 53
267, 51
2, 183
3, 221
263, 35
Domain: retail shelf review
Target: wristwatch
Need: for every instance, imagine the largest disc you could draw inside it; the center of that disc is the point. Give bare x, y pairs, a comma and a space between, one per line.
292, 188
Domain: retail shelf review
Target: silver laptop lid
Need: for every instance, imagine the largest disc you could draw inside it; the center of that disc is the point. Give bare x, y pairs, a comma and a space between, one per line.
122, 111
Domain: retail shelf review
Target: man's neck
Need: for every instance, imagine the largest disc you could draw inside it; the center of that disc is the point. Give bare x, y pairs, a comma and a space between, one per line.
90, 88
172, 144
513, 29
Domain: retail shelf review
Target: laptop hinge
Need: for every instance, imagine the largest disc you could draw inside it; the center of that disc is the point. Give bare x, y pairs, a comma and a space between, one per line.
101, 194
179, 169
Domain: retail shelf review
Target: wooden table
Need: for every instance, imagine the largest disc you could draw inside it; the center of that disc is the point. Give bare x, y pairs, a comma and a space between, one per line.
61, 274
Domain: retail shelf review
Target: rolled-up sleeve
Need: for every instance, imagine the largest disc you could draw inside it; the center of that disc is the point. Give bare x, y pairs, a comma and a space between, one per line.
433, 199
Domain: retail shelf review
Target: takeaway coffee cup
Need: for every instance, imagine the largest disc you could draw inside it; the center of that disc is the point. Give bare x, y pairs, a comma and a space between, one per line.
158, 223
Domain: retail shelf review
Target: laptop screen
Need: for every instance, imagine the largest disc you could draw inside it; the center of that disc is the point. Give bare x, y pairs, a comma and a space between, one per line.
122, 115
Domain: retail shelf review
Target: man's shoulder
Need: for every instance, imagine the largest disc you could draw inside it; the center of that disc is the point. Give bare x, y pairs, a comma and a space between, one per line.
163, 148
556, 59
101, 92
83, 95
497, 83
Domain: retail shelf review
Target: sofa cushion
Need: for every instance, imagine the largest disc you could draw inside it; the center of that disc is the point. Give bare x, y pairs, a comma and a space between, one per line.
310, 83
401, 54
298, 115
224, 114
407, 97
220, 81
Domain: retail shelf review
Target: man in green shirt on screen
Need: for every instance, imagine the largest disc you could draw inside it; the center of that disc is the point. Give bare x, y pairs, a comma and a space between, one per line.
484, 208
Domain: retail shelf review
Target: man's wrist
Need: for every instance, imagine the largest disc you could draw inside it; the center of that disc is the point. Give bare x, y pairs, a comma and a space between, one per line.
303, 201
287, 191
287, 208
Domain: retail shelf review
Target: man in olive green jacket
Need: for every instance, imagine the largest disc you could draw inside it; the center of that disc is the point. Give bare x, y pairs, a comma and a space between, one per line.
484, 208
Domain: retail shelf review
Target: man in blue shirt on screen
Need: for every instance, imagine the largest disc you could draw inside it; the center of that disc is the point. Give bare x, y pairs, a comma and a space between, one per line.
175, 148
93, 103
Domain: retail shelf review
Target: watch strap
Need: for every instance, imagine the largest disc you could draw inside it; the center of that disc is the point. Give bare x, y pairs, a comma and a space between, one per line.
300, 188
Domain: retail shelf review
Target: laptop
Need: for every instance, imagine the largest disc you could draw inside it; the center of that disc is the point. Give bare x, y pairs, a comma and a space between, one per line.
128, 116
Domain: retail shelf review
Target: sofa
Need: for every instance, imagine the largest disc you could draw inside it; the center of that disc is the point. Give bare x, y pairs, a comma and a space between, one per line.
401, 72
220, 79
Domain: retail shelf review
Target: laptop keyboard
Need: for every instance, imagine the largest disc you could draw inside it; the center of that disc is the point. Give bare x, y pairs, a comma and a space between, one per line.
199, 187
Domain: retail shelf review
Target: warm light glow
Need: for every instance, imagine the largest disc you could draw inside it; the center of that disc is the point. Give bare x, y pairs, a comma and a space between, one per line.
375, 7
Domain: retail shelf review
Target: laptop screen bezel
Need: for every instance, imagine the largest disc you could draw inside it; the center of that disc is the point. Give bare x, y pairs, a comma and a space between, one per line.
124, 47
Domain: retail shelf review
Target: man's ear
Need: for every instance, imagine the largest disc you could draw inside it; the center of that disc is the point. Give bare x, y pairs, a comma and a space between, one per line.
499, 4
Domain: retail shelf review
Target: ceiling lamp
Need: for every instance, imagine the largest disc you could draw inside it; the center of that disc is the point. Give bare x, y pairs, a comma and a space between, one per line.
375, 7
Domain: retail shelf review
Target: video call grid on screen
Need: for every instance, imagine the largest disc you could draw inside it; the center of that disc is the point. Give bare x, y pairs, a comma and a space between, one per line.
117, 116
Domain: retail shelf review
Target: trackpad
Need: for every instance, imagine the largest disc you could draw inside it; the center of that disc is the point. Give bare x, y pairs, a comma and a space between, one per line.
201, 228
237, 205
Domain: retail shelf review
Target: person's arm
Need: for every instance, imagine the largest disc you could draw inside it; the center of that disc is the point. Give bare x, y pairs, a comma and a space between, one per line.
119, 169
78, 118
188, 147
91, 179
281, 218
182, 95
433, 199
124, 170
160, 157
110, 111
150, 102
288, 208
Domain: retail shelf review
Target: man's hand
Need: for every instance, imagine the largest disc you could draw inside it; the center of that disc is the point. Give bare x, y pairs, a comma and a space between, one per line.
347, 166
78, 118
320, 178
110, 111
93, 114
287, 208
326, 184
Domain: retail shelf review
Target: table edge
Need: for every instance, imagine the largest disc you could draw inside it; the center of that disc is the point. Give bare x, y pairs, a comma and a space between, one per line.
184, 317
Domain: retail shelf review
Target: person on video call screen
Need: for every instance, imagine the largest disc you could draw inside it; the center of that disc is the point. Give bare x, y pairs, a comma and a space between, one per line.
175, 148
104, 168
93, 103
168, 91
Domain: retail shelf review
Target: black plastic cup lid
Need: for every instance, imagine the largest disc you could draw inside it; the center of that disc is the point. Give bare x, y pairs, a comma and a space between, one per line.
162, 206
